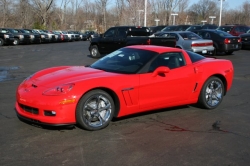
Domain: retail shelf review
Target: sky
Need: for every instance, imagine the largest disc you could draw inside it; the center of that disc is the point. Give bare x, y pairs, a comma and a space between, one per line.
232, 4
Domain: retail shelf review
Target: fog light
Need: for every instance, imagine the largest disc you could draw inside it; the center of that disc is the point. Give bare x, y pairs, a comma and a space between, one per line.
49, 113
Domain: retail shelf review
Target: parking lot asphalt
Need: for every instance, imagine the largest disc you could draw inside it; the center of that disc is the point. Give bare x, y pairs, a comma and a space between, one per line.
186, 136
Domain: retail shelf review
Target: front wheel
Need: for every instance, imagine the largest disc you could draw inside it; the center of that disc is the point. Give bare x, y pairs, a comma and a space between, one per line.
16, 42
94, 52
1, 42
212, 93
95, 110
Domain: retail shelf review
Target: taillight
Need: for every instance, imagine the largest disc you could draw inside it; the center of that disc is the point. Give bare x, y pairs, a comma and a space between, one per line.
148, 42
239, 40
62, 37
201, 44
227, 41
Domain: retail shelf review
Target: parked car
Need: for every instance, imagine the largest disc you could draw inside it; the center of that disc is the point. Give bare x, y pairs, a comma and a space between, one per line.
19, 38
6, 38
75, 34
91, 34
131, 80
34, 37
222, 41
71, 37
61, 37
190, 41
245, 40
175, 28
44, 36
121, 36
196, 28
51, 36
154, 29
234, 30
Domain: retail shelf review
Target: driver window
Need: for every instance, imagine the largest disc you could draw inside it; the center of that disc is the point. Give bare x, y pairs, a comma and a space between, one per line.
110, 33
171, 60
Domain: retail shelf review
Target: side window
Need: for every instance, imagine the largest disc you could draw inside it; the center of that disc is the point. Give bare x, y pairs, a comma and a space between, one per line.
172, 60
207, 36
121, 32
174, 35
110, 33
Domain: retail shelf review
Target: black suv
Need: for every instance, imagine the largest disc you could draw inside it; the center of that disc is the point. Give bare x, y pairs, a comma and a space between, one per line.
196, 28
6, 38
235, 29
19, 37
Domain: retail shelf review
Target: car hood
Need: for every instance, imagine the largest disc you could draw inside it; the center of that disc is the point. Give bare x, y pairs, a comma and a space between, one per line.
63, 75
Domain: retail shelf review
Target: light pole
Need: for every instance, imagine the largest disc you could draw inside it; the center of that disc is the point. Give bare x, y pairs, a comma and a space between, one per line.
212, 17
203, 21
174, 14
156, 21
220, 11
145, 13
139, 11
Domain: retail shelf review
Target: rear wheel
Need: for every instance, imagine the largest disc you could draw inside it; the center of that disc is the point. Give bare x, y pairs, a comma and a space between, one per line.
215, 51
94, 52
211, 93
95, 110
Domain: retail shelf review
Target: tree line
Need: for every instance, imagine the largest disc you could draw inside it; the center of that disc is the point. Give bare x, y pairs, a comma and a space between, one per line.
101, 14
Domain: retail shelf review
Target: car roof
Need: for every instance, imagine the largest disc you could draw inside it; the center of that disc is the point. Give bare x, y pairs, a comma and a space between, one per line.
159, 49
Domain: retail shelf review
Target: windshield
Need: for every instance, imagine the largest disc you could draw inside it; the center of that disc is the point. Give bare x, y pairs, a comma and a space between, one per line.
225, 28
222, 33
193, 28
124, 60
169, 28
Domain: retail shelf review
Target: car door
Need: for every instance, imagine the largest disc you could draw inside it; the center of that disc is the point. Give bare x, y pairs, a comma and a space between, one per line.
107, 43
166, 89
120, 38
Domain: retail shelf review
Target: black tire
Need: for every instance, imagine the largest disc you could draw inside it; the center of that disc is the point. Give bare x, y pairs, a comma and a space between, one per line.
1, 42
95, 110
212, 93
94, 52
215, 51
229, 52
16, 42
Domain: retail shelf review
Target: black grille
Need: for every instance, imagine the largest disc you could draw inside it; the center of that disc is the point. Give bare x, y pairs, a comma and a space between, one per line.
29, 109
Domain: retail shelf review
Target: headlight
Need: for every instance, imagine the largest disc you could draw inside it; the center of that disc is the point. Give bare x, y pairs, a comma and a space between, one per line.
59, 90
6, 36
31, 36
42, 36
21, 36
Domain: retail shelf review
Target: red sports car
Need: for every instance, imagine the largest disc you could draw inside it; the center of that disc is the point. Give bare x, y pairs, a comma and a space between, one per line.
130, 80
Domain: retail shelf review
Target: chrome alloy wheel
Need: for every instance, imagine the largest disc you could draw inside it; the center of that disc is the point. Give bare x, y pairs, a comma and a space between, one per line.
214, 93
94, 52
97, 110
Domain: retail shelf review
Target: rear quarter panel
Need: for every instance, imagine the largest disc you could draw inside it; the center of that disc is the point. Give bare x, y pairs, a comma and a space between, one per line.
216, 67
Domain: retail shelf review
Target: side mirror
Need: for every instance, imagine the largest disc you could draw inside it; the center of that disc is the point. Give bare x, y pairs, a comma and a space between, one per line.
160, 70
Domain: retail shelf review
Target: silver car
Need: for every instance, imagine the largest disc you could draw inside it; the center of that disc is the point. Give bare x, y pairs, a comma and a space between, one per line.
190, 41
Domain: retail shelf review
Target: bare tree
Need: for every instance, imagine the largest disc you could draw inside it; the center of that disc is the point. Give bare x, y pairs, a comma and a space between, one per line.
102, 4
202, 9
5, 11
42, 8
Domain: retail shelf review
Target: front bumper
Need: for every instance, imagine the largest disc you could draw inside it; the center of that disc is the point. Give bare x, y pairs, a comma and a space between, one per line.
8, 41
